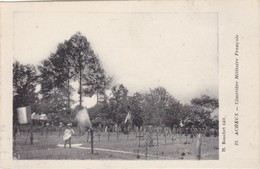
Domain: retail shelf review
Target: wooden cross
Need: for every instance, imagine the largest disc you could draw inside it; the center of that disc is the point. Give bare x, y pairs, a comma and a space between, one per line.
92, 140
31, 129
117, 134
47, 129
139, 137
146, 148
42, 128
108, 135
99, 134
88, 136
157, 137
180, 134
165, 138
199, 142
172, 138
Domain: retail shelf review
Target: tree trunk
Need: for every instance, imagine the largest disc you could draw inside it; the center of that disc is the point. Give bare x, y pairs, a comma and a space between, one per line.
80, 82
80, 89
68, 109
97, 97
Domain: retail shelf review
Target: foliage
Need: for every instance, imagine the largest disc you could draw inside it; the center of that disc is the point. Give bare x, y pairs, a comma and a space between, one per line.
88, 68
201, 110
119, 104
135, 103
156, 103
75, 60
24, 84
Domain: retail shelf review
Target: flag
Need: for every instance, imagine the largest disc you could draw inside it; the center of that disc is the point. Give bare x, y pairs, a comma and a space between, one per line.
181, 124
83, 118
24, 115
128, 117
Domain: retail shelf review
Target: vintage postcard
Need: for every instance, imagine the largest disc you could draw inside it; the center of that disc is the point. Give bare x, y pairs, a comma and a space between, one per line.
130, 84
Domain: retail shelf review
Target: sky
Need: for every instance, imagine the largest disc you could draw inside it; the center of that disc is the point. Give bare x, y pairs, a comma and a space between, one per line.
178, 51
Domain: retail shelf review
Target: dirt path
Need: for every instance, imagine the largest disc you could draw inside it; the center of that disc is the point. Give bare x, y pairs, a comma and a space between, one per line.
114, 151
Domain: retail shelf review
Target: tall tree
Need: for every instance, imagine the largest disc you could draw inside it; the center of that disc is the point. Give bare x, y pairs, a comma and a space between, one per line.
64, 69
74, 60
206, 104
202, 108
156, 103
97, 81
137, 114
24, 84
173, 113
88, 68
119, 103
57, 72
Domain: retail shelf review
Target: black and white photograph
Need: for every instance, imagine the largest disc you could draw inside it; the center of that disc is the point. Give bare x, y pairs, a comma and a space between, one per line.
129, 84
116, 86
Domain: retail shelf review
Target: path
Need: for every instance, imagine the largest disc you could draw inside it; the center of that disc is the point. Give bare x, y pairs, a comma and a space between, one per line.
114, 151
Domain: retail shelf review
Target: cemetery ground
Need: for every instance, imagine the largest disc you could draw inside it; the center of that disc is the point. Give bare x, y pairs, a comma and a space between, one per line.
125, 147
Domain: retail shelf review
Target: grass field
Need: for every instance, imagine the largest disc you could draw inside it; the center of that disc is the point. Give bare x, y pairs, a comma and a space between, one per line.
125, 148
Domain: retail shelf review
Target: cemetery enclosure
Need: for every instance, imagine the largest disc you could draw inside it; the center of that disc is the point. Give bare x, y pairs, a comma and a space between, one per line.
112, 146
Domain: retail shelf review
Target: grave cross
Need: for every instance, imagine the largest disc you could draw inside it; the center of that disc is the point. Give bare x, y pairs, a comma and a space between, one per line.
99, 134
165, 138
108, 135
157, 137
139, 137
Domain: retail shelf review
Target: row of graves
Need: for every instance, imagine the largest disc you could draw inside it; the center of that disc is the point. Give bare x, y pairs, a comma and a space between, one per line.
190, 132
149, 135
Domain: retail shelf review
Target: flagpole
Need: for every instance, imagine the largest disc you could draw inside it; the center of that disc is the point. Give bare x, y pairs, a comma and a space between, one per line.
91, 135
31, 138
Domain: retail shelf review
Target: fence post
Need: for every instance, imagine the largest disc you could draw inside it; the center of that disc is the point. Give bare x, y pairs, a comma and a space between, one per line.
88, 136
99, 134
199, 142
165, 138
180, 134
92, 140
157, 143
108, 135
146, 148
117, 134
31, 138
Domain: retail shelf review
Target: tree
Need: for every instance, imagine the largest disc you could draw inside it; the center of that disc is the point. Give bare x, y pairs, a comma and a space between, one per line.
202, 108
24, 84
47, 76
73, 60
207, 103
155, 106
56, 74
97, 80
173, 113
119, 104
64, 68
55, 103
88, 68
135, 103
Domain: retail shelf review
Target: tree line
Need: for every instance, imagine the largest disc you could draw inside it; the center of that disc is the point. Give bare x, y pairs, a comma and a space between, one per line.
75, 61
